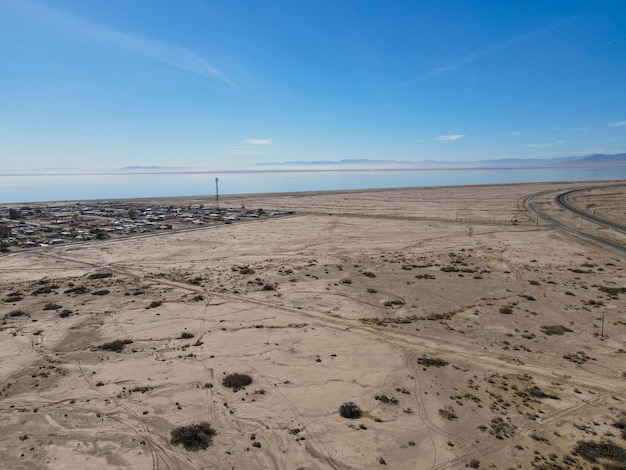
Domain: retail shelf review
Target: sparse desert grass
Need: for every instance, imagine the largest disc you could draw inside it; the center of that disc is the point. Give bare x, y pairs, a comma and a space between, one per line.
193, 437
236, 381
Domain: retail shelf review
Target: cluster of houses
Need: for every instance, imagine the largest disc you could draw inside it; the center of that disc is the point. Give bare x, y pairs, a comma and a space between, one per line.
51, 224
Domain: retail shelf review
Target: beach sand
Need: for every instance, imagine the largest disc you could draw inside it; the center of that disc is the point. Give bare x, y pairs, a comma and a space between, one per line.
465, 339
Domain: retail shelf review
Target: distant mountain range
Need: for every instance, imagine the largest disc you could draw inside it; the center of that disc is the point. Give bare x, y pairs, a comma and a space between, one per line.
594, 159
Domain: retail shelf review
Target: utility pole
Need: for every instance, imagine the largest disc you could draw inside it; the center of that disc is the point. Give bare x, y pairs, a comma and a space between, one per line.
602, 327
217, 194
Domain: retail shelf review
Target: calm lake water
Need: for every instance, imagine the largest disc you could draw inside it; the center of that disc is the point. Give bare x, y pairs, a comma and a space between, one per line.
33, 188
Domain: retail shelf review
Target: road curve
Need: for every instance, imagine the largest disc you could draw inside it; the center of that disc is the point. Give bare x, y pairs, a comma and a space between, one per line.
562, 200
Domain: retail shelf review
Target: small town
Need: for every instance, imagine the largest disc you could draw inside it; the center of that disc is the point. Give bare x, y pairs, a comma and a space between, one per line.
41, 224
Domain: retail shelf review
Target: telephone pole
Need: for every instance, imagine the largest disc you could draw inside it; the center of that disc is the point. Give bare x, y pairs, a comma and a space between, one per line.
217, 193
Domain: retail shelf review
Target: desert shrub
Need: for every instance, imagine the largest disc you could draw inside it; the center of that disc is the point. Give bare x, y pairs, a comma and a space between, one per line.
346, 281
65, 313
432, 362
186, 335
621, 425
101, 292
536, 392
387, 400
532, 282
555, 329
155, 304
193, 437
117, 345
246, 270
13, 297
448, 413
52, 306
393, 303
473, 464
236, 381
506, 310
350, 410
76, 290
450, 269
268, 287
16, 313
371, 290
425, 276
44, 290
591, 451
369, 274
99, 275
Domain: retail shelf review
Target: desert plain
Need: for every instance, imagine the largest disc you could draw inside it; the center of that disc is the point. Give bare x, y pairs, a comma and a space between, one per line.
469, 334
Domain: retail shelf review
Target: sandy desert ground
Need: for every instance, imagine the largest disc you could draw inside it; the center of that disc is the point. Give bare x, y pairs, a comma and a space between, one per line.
466, 341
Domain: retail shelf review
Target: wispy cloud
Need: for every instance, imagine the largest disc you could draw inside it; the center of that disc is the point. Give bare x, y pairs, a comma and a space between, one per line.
251, 147
168, 53
617, 124
546, 144
585, 128
451, 137
477, 55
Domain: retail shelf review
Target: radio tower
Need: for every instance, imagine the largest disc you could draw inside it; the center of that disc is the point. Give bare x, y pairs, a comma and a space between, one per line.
217, 194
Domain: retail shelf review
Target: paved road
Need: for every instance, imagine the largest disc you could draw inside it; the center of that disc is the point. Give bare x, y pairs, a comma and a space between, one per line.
562, 200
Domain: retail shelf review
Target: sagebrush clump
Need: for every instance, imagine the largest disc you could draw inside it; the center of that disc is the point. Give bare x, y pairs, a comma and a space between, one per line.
193, 437
236, 381
350, 410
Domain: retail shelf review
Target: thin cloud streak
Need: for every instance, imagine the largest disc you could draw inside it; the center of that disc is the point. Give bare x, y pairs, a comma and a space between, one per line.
450, 137
259, 141
477, 55
164, 52
617, 124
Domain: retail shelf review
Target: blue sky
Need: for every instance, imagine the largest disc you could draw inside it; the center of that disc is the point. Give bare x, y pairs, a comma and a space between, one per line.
108, 84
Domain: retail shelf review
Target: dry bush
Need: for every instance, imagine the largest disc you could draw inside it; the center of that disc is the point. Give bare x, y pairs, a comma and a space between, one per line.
432, 362
592, 451
99, 275
116, 346
555, 329
350, 410
193, 437
236, 381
